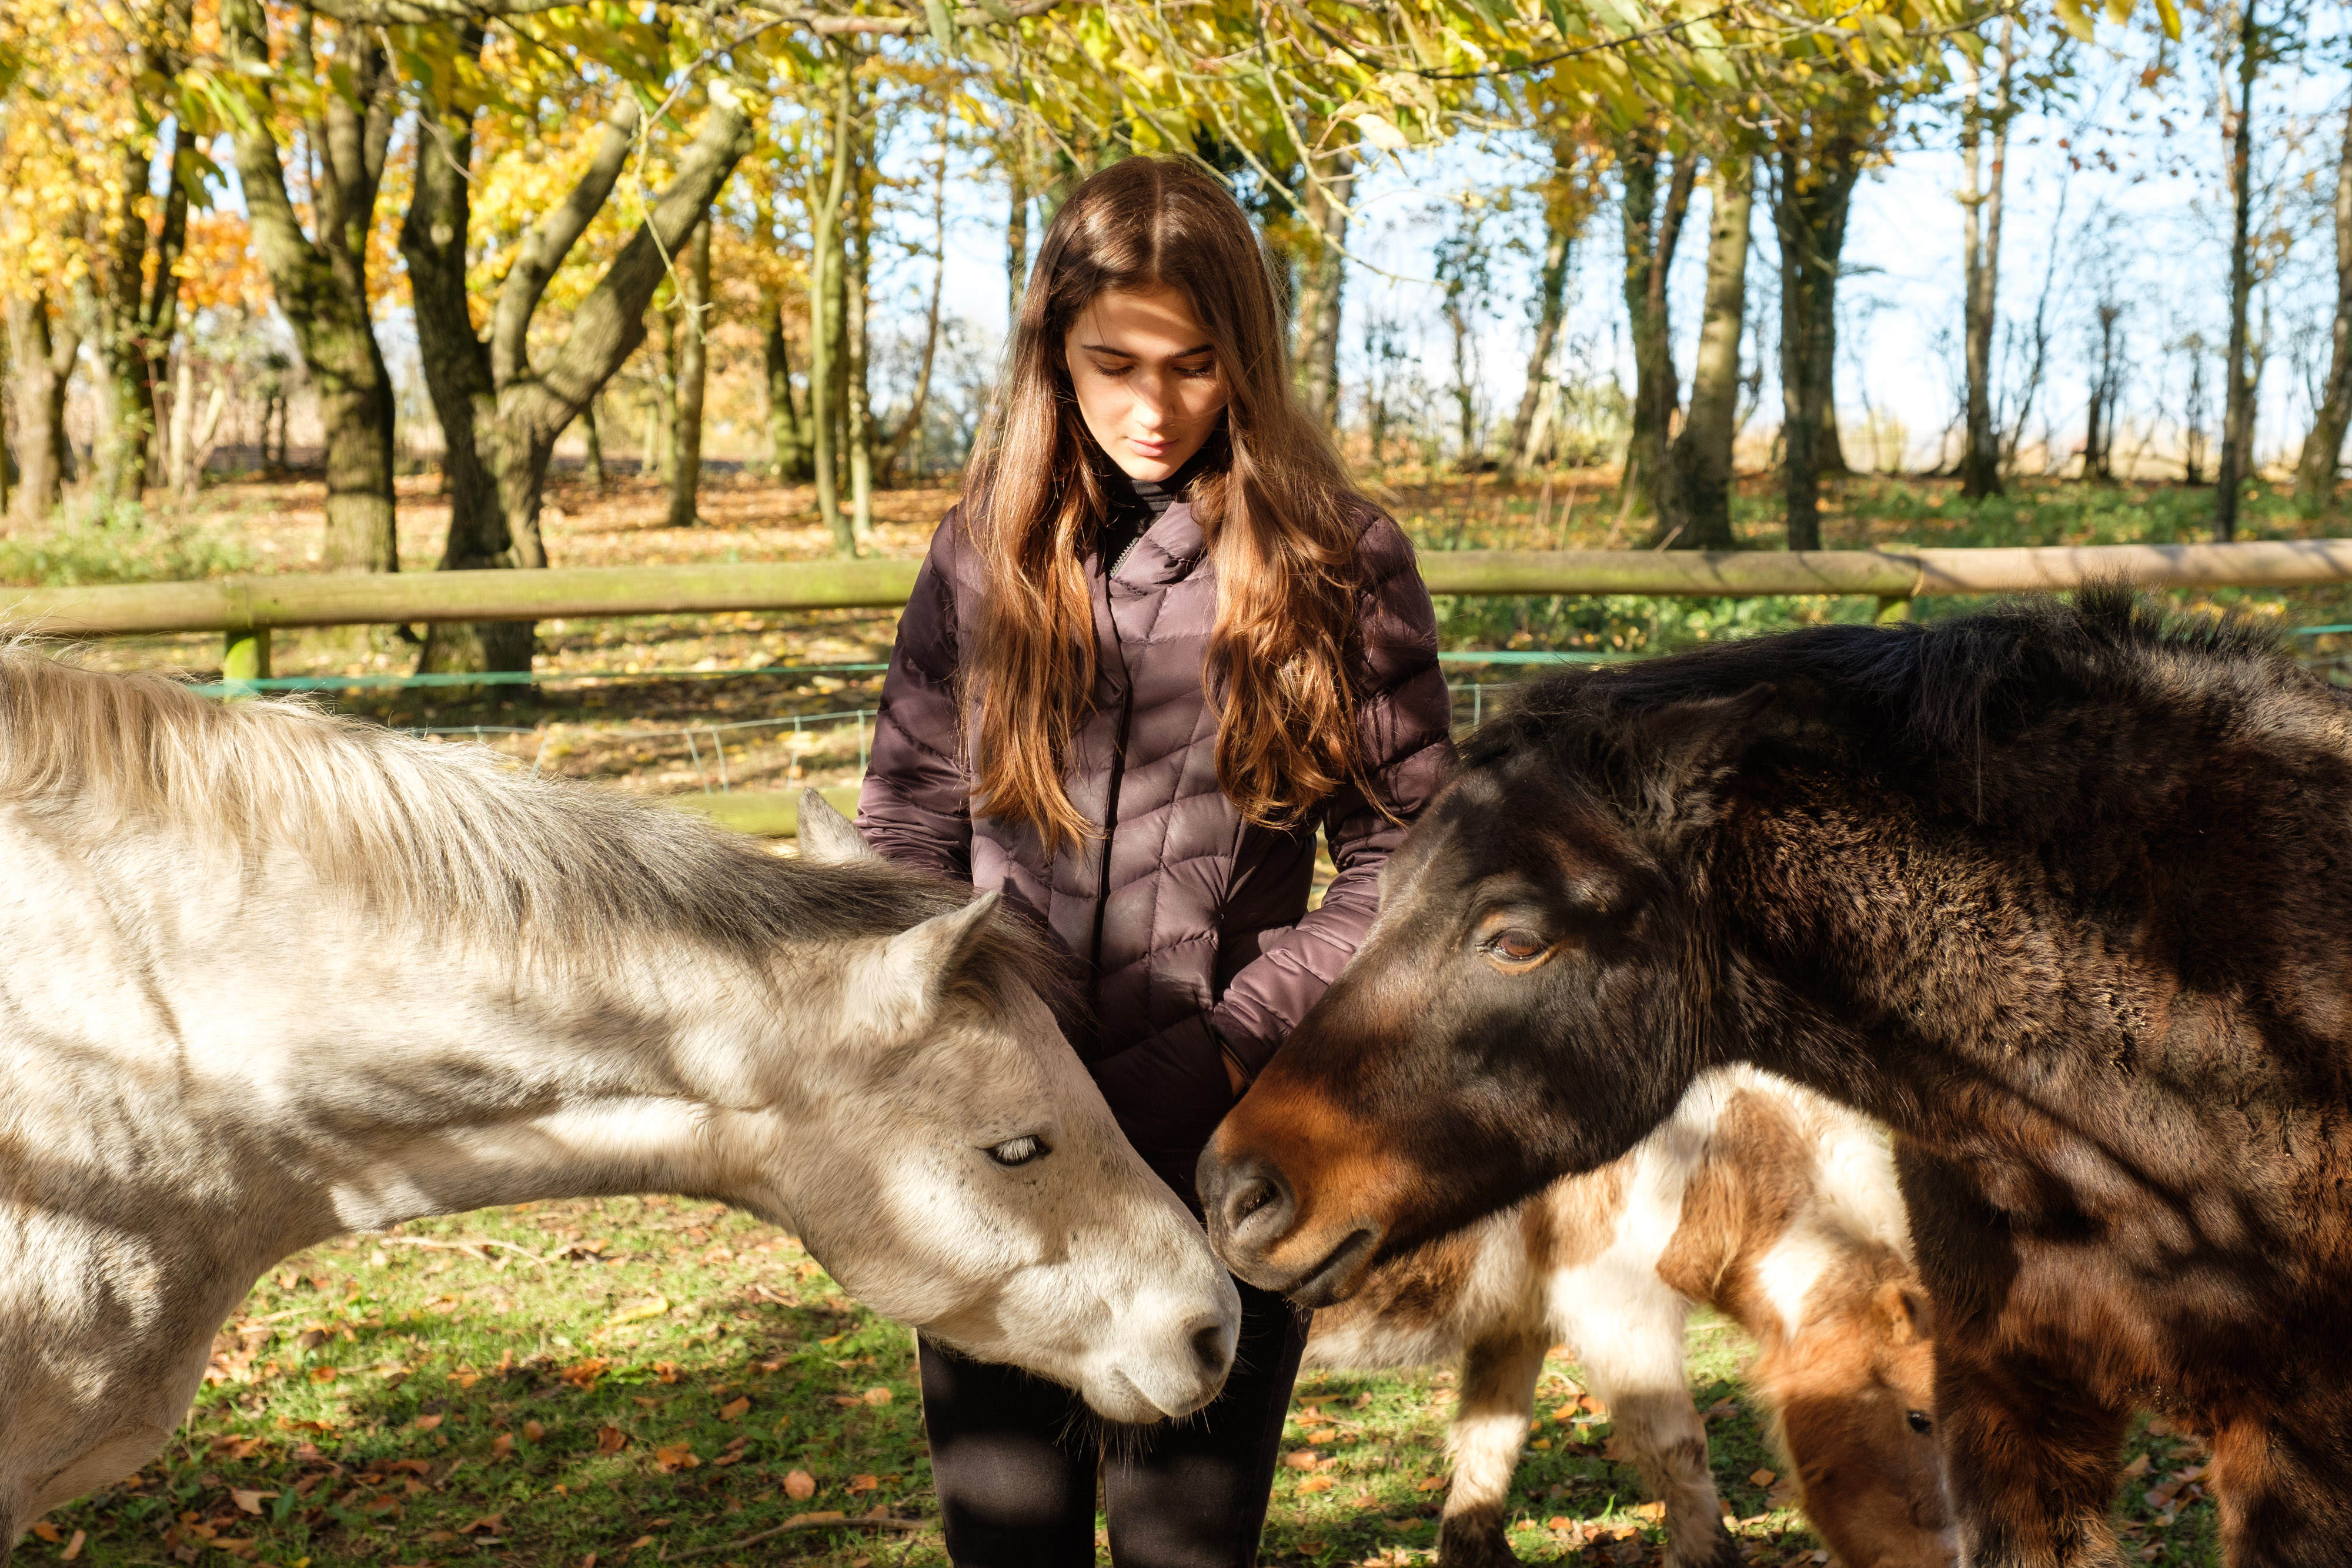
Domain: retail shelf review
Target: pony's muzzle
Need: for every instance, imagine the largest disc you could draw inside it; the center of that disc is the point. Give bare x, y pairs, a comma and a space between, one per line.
1249, 1206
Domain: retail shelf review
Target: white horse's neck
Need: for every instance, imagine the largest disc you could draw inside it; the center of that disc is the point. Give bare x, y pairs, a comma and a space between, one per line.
313, 1071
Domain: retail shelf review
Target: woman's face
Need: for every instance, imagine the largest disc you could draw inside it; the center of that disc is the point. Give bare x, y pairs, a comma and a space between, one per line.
1148, 383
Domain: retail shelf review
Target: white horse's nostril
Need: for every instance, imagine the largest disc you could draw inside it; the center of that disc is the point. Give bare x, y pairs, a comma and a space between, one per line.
1213, 1349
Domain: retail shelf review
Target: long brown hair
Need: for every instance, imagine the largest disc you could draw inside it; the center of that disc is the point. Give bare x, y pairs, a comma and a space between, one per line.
1278, 515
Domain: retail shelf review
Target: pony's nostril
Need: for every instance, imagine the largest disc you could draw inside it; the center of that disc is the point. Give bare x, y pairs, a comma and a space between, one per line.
1258, 1202
1211, 1349
1252, 1198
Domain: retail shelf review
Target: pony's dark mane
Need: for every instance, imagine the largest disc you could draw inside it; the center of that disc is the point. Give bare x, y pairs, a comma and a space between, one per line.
445, 836
1935, 690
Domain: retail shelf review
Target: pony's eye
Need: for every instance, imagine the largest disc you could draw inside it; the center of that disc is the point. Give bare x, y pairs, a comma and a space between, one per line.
1919, 1422
1515, 945
1019, 1151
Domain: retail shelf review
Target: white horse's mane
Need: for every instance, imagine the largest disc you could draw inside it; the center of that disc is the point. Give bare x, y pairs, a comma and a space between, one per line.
448, 837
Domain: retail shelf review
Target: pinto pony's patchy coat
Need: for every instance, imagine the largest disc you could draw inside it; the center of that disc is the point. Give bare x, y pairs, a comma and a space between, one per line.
270, 975
2061, 894
1756, 1198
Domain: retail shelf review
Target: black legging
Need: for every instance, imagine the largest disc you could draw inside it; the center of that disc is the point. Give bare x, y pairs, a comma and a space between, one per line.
1013, 1457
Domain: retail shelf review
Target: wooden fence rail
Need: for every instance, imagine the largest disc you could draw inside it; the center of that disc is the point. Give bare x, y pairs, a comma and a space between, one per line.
243, 605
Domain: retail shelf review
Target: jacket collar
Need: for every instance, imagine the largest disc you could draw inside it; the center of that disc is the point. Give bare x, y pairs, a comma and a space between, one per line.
1166, 553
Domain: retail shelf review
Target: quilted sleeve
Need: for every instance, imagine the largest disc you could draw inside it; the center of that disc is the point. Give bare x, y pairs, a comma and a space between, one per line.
915, 805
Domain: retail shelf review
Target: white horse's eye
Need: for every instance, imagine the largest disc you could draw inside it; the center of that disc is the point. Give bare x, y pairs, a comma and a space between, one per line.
1019, 1151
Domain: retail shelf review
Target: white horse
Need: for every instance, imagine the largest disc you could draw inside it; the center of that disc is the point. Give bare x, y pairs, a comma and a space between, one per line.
271, 975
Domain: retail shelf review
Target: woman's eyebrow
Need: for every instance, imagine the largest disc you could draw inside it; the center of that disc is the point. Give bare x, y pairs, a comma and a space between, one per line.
1130, 354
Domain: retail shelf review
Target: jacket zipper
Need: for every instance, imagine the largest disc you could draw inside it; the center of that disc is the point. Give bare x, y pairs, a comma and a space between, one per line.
1110, 814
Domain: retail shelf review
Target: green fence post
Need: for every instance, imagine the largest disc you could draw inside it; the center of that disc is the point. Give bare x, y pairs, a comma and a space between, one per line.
244, 657
1892, 607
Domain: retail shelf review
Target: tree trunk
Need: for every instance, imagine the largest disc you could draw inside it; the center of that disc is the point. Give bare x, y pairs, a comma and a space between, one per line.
322, 286
664, 336
1316, 332
788, 439
1702, 454
2238, 412
858, 404
1653, 230
1016, 224
133, 324
1563, 215
40, 360
1811, 200
433, 239
694, 316
533, 406
1981, 205
910, 428
825, 319
2323, 449
592, 463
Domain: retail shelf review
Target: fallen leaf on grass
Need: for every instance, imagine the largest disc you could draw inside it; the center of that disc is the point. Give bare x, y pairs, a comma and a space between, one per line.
229, 1445
250, 1501
640, 1540
582, 1375
638, 1312
427, 1423
496, 1523
1653, 1511
73, 1547
1429, 1483
1761, 1477
665, 1371
2138, 1467
1313, 1547
1317, 1483
502, 1444
235, 1548
1302, 1459
325, 1374
823, 1516
533, 1431
463, 1377
800, 1485
49, 1532
878, 1397
671, 1457
611, 1439
733, 1409
862, 1483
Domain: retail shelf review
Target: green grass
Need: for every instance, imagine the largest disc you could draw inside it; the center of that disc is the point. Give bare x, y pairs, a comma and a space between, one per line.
528, 1385
86, 543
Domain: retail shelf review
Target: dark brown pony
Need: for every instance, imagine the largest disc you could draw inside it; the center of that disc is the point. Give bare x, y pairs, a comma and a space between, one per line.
2063, 894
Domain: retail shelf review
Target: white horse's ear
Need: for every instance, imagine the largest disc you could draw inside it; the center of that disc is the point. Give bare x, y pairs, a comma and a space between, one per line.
926, 957
826, 836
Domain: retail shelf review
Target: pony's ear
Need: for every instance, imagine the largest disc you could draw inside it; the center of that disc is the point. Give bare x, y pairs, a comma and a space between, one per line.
826, 836
926, 958
1679, 754
1902, 1312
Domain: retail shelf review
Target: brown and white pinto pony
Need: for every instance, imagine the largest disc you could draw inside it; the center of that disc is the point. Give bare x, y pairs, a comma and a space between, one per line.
2061, 894
1758, 1198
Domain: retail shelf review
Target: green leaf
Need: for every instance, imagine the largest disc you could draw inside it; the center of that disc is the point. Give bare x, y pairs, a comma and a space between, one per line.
999, 13
942, 25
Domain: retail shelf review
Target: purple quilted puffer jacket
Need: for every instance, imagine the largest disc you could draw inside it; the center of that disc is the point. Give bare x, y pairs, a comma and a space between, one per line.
1191, 925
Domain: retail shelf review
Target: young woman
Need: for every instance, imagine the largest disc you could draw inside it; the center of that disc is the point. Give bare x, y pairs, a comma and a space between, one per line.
1162, 640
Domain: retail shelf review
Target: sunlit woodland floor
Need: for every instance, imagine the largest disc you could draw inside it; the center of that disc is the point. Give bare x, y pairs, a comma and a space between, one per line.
632, 1383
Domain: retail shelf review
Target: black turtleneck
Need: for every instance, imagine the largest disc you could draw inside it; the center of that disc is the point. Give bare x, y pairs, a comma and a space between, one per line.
1137, 503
